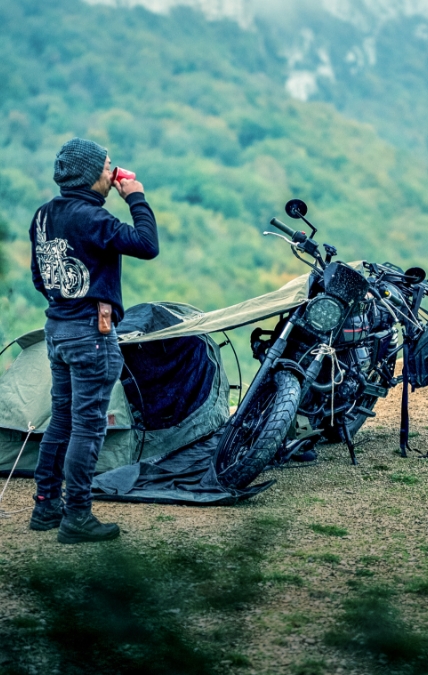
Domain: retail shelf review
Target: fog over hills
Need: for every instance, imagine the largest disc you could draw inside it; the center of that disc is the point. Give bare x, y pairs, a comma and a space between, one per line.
344, 35
364, 14
240, 11
369, 58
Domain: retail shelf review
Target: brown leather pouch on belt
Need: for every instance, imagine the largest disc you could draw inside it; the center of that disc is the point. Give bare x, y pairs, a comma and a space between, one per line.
104, 317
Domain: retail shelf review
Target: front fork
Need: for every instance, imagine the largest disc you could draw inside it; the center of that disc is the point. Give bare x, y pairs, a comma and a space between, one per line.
312, 373
274, 353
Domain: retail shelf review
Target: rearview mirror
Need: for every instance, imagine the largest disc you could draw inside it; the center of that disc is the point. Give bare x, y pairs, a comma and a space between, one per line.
295, 208
415, 275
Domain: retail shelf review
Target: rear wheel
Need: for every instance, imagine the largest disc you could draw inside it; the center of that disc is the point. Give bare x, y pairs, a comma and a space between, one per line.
245, 450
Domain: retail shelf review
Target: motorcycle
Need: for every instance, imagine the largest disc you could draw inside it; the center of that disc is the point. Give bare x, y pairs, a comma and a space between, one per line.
328, 360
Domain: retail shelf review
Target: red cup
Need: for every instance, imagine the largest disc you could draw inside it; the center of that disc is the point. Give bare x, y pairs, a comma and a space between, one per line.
119, 174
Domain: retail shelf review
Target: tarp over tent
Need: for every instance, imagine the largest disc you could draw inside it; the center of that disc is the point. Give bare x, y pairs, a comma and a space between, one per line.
256, 309
294, 293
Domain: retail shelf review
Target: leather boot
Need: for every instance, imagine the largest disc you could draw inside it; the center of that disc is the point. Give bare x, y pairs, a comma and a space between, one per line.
47, 513
83, 526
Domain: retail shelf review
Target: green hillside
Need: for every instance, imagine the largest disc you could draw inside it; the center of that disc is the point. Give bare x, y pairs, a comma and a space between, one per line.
199, 110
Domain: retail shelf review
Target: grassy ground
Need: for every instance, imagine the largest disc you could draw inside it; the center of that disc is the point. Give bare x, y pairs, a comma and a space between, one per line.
326, 572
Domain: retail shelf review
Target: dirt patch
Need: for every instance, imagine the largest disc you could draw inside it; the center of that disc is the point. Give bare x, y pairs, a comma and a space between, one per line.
283, 566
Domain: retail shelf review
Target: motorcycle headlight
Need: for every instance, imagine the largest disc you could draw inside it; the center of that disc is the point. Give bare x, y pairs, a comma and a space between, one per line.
324, 313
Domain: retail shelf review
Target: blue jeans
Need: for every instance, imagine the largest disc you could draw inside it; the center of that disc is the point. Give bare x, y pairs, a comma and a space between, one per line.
85, 364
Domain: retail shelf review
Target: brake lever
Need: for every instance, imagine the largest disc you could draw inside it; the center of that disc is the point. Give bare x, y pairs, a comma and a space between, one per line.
281, 236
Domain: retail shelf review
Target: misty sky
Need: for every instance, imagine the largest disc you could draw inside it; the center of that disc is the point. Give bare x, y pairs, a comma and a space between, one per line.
365, 14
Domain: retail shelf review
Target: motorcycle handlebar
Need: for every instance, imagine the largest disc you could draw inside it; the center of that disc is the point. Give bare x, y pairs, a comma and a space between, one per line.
295, 235
283, 227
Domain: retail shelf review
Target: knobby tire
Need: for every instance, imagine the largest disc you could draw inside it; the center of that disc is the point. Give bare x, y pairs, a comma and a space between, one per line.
245, 450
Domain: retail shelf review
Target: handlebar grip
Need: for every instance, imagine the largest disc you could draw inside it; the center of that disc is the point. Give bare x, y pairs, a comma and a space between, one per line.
283, 227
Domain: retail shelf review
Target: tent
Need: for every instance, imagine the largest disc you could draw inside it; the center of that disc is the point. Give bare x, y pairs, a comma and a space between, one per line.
182, 383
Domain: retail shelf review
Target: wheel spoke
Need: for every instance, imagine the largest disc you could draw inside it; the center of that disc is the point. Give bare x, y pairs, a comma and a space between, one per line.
247, 434
249, 444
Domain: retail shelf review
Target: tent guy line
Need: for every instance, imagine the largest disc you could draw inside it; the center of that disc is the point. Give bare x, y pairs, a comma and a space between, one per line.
7, 514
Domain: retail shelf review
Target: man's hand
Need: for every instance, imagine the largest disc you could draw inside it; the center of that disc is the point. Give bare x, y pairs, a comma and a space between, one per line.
127, 187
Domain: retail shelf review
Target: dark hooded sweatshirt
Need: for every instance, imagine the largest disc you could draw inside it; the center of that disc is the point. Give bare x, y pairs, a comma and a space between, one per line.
77, 247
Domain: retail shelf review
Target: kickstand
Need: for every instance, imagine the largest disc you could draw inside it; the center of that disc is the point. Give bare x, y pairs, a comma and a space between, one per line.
420, 453
348, 440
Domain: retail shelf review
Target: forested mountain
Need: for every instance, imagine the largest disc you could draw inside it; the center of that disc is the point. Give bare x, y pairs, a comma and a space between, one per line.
367, 57
200, 110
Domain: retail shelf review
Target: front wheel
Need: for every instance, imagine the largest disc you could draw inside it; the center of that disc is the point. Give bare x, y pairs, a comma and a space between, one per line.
245, 450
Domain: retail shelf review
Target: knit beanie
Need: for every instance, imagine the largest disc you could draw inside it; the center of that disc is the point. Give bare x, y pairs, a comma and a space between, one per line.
79, 163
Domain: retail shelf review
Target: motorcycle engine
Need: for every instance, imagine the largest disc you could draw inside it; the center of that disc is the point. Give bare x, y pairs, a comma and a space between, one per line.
363, 358
359, 359
349, 388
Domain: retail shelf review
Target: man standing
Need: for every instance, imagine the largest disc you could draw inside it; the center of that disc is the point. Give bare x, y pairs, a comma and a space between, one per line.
76, 263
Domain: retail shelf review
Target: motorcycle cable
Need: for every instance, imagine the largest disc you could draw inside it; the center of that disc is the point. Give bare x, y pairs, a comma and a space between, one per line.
314, 267
387, 307
414, 318
293, 249
407, 318
308, 351
228, 341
